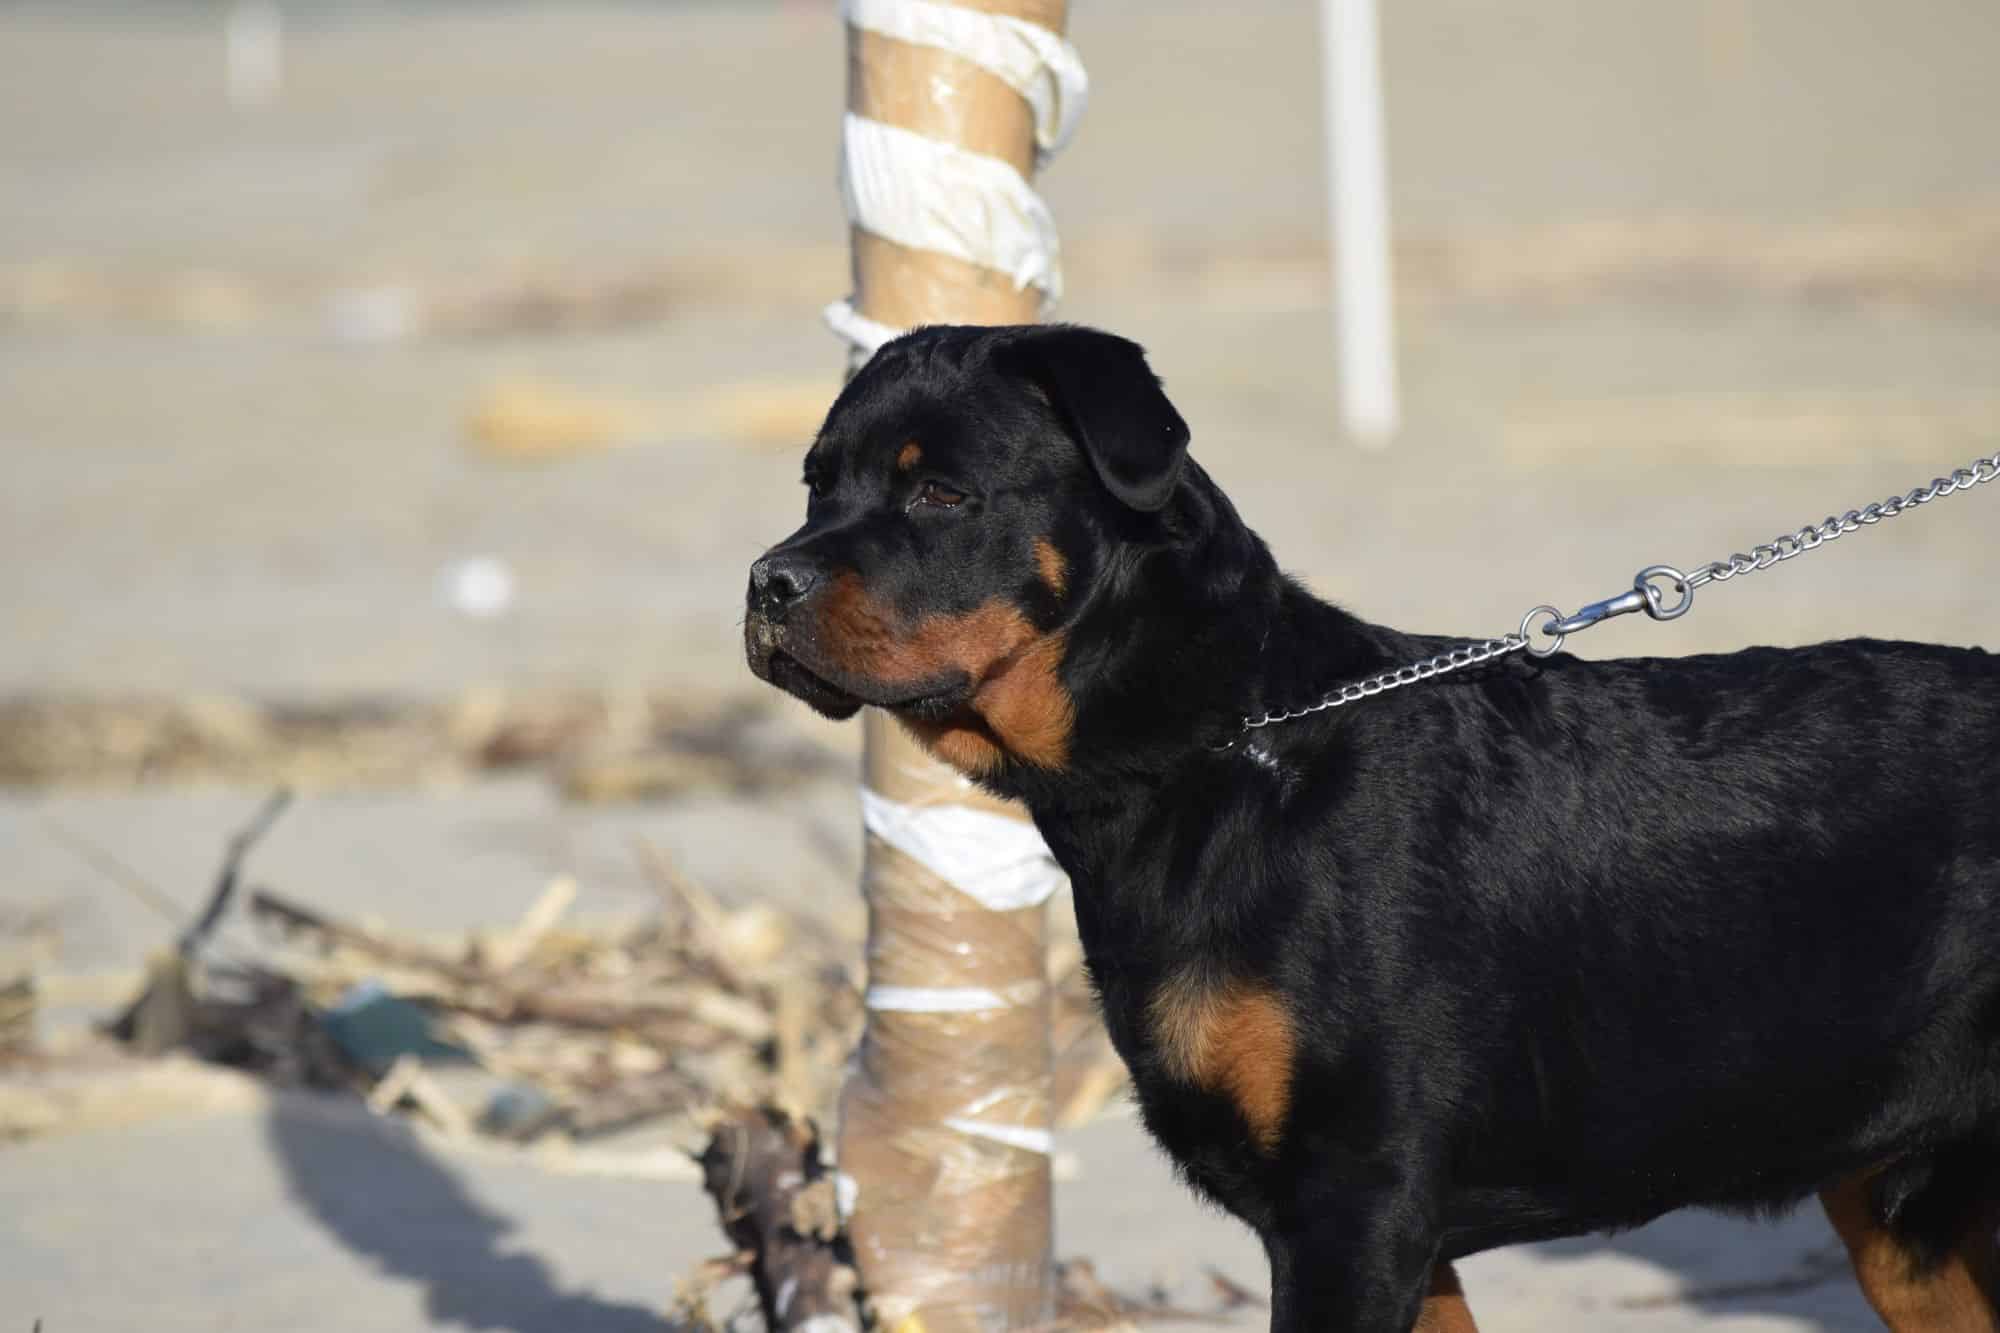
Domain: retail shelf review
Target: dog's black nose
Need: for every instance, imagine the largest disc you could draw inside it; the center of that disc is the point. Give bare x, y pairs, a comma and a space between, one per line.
780, 579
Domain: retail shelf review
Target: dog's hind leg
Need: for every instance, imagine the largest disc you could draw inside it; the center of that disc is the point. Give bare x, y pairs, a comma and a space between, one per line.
1939, 1282
1445, 1310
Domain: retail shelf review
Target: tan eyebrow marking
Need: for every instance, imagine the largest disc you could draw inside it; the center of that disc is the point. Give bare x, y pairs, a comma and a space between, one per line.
909, 456
1053, 568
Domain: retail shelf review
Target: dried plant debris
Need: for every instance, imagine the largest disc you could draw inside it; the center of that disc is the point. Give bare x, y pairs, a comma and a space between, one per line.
586, 1032
527, 1033
17, 1017
28, 937
580, 1033
597, 747
1945, 257
244, 1015
774, 1194
539, 1030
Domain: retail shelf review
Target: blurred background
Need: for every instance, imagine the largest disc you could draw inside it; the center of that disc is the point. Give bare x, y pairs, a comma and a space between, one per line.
392, 399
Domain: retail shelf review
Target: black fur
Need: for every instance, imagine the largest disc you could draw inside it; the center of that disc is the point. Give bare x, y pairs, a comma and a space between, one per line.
1566, 944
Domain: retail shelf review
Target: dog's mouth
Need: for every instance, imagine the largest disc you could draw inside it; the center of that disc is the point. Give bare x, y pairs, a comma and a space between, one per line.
836, 696
817, 692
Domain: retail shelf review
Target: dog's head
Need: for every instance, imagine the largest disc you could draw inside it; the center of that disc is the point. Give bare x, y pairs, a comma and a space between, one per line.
961, 495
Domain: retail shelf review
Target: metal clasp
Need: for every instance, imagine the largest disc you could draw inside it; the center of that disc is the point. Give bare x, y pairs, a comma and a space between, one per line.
1656, 607
1623, 604
1645, 596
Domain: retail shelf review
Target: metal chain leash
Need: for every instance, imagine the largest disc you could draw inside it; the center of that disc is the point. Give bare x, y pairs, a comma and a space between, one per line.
1648, 593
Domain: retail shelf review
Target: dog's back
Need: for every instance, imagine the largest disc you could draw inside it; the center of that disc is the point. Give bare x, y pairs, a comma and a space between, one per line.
1719, 928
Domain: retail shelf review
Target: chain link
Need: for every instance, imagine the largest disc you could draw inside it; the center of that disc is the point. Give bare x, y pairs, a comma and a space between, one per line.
1646, 595
1429, 669
1815, 535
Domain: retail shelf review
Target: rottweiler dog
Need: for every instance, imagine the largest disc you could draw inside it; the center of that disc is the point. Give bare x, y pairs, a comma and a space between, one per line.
1539, 948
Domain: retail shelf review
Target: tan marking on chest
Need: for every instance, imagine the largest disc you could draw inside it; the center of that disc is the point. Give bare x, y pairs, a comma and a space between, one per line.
1234, 1038
1020, 709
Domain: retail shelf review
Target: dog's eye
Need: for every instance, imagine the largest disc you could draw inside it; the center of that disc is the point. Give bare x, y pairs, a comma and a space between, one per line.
938, 494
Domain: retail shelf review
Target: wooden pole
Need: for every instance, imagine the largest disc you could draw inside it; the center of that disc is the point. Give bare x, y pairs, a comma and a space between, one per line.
951, 1227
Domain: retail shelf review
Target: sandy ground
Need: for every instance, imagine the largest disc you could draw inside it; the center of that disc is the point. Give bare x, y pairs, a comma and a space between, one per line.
1677, 278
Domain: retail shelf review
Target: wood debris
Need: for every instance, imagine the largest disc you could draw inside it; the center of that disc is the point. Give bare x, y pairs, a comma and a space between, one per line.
542, 1035
17, 1016
535, 1033
595, 747
533, 421
553, 1030
774, 1193
28, 942
612, 1028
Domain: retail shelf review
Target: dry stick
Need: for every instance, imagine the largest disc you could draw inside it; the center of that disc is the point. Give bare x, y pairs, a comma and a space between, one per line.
775, 1198
293, 916
161, 1015
694, 905
509, 951
267, 814
491, 997
598, 1012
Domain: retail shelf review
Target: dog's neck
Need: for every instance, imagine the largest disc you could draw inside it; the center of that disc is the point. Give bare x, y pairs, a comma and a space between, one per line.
1225, 635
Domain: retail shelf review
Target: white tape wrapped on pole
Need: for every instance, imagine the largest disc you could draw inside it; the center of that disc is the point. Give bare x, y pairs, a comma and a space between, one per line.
952, 999
928, 195
999, 861
1024, 1137
861, 333
1034, 62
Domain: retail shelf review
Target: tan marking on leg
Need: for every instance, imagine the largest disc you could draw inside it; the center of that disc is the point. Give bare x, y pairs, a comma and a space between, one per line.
1054, 569
1949, 1297
1445, 1310
1018, 705
909, 456
1234, 1038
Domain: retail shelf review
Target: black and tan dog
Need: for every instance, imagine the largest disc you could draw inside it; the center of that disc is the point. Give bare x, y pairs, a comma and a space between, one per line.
1540, 948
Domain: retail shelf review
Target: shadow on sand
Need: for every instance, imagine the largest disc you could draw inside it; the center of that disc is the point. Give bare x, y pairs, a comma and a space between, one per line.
372, 1184
1793, 1266
375, 1187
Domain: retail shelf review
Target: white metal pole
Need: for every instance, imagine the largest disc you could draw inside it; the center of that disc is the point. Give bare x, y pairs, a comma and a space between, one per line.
254, 49
1358, 219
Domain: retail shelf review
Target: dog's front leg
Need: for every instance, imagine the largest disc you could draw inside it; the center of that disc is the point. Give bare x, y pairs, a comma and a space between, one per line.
1363, 1265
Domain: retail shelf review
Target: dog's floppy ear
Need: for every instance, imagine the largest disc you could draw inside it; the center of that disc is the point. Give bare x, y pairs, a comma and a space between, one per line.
1113, 402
